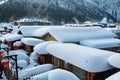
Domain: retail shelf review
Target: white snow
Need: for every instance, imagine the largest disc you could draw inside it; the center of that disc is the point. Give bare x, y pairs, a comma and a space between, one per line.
42, 76
41, 47
22, 63
31, 41
59, 74
115, 76
34, 56
17, 43
41, 32
21, 56
81, 56
13, 37
29, 30
4, 45
34, 70
101, 43
79, 33
114, 60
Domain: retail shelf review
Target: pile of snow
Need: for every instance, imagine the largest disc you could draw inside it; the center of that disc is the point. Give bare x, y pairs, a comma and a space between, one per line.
34, 70
13, 37
4, 45
31, 41
79, 33
17, 43
22, 63
41, 47
42, 76
115, 76
59, 74
100, 43
114, 60
34, 56
21, 56
83, 57
11, 52
2, 39
28, 31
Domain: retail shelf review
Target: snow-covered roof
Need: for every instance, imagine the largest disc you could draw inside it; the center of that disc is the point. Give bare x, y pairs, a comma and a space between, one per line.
31, 41
17, 43
4, 45
115, 76
83, 57
42, 76
30, 30
101, 43
22, 63
34, 70
79, 33
114, 60
41, 32
41, 47
13, 37
59, 74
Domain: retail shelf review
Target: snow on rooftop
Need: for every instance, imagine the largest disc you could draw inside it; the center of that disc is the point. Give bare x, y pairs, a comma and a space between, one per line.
4, 45
34, 56
41, 32
22, 63
42, 76
115, 76
30, 30
114, 60
34, 70
13, 37
17, 43
79, 33
59, 74
41, 47
83, 57
100, 43
31, 41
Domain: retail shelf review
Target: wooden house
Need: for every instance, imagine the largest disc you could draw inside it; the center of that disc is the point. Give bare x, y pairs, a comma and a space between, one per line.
29, 43
96, 37
40, 50
87, 63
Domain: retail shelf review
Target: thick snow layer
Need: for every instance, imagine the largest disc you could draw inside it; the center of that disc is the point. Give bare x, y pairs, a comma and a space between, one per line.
2, 39
31, 41
19, 50
17, 43
101, 43
79, 33
42, 76
41, 47
15, 29
34, 70
22, 63
81, 56
29, 30
41, 32
4, 45
34, 56
115, 76
13, 37
21, 56
114, 60
59, 74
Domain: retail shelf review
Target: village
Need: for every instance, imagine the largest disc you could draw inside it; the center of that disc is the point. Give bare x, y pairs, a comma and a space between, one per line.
35, 49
